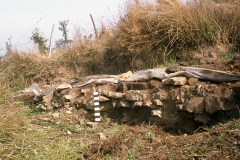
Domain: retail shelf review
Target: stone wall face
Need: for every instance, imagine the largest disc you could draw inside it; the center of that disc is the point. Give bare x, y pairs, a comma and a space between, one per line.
176, 101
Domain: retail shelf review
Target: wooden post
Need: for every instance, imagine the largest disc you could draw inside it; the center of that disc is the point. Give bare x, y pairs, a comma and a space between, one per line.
96, 32
50, 45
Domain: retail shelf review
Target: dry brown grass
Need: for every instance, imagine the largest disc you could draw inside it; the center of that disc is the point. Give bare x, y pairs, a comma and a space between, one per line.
84, 55
153, 31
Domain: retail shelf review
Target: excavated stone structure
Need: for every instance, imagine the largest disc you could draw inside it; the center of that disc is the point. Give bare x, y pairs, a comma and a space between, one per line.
175, 102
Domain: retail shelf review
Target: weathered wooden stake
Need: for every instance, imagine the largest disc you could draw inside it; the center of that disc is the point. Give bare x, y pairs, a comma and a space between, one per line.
50, 45
96, 32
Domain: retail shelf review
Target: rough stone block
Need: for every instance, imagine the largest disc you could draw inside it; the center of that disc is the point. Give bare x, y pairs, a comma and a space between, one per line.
107, 87
156, 113
135, 95
112, 94
176, 81
213, 104
137, 104
154, 83
107, 93
147, 103
104, 99
180, 97
124, 104
228, 94
195, 105
200, 90
47, 100
157, 102
90, 104
162, 95
68, 97
84, 91
118, 95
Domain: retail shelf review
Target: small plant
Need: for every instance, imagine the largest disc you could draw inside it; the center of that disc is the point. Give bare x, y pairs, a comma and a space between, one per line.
33, 110
60, 126
72, 128
38, 38
9, 46
232, 124
118, 128
148, 135
148, 129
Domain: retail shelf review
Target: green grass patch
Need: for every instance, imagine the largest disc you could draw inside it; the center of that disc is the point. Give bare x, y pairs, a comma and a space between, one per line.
229, 56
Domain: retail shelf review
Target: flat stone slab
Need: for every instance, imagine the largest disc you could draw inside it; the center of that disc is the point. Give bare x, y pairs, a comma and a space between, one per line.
104, 99
112, 94
63, 87
135, 95
176, 81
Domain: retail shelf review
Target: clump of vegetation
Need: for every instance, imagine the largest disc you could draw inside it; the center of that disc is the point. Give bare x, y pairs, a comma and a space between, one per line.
9, 46
229, 56
38, 39
156, 31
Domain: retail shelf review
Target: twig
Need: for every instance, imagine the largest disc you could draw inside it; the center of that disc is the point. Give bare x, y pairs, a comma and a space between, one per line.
14, 149
130, 153
8, 116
